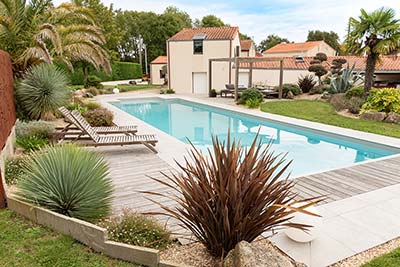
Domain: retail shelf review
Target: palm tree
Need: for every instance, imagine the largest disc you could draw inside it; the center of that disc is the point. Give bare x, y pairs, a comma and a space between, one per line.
34, 32
376, 33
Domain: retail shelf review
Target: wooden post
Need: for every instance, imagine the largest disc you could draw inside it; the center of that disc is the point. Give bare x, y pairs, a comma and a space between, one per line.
251, 75
2, 194
236, 78
280, 78
209, 77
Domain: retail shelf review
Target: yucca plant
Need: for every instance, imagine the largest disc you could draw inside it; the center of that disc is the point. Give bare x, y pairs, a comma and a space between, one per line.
42, 91
69, 180
232, 194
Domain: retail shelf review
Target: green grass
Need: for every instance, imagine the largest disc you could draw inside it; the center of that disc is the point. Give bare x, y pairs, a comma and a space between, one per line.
391, 259
323, 112
24, 244
132, 87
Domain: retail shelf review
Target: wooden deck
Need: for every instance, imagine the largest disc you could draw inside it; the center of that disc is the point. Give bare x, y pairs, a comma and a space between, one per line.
131, 168
351, 181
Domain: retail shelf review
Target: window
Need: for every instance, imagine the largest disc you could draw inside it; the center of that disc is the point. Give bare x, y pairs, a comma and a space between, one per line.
197, 46
162, 74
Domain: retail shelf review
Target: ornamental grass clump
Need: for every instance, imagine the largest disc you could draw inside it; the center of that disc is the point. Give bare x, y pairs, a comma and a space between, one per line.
69, 180
232, 194
42, 91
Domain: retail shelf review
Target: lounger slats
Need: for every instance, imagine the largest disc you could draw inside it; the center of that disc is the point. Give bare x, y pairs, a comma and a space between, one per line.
149, 138
113, 129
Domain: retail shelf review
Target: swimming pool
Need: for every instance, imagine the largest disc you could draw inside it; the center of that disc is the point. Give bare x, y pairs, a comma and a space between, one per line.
311, 151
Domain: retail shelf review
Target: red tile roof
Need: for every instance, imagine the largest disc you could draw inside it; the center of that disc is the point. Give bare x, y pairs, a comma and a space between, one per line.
160, 60
212, 33
293, 47
387, 63
245, 45
258, 54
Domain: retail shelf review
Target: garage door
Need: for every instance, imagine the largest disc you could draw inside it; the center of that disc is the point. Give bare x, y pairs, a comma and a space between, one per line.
243, 79
199, 83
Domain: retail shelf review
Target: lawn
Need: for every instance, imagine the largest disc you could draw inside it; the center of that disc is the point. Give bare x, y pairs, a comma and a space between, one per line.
323, 112
24, 244
131, 87
391, 259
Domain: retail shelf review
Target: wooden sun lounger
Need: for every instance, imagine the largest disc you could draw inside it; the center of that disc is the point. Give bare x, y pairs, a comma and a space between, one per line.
72, 130
149, 140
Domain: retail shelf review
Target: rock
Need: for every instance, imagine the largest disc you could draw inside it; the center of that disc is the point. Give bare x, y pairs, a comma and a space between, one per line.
372, 115
289, 95
250, 255
393, 117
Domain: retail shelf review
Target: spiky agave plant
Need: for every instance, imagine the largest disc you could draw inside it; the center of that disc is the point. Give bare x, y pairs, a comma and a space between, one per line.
42, 91
69, 180
234, 194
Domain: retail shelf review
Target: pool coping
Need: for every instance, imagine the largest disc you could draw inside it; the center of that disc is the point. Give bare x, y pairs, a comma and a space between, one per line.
171, 149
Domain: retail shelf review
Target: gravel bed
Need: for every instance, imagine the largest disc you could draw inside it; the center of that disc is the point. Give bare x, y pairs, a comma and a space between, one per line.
368, 255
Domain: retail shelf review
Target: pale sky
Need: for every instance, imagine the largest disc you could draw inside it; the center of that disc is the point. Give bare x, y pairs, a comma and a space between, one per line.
287, 18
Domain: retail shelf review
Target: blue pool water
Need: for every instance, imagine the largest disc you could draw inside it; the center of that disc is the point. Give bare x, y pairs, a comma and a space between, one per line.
310, 151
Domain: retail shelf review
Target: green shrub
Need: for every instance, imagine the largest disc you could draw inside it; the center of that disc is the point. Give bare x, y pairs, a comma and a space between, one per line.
355, 92
40, 129
14, 169
93, 90
99, 117
294, 88
306, 83
42, 91
138, 230
253, 102
91, 105
31, 143
167, 91
213, 93
383, 100
354, 104
69, 180
126, 71
251, 93
93, 81
76, 106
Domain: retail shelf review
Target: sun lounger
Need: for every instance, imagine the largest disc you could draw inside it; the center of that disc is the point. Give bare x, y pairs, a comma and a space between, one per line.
149, 140
72, 130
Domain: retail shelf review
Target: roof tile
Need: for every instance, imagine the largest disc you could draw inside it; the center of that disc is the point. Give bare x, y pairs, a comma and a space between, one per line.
160, 60
245, 45
212, 33
293, 47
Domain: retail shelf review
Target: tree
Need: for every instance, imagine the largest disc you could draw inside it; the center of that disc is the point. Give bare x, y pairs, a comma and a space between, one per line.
331, 38
375, 34
317, 67
210, 21
271, 41
36, 32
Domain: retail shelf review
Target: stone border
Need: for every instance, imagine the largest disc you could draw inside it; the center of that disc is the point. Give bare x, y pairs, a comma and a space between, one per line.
89, 234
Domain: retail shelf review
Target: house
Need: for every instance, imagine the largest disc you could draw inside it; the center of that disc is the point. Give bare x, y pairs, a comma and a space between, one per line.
307, 49
157, 70
247, 48
189, 52
387, 71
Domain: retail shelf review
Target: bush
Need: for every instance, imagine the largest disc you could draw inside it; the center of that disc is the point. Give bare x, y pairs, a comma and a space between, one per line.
69, 180
234, 193
213, 93
42, 91
126, 71
339, 102
91, 105
137, 230
251, 94
167, 91
93, 90
341, 82
77, 106
354, 104
93, 81
40, 129
383, 100
31, 143
253, 102
294, 88
306, 83
14, 169
99, 117
355, 92
319, 89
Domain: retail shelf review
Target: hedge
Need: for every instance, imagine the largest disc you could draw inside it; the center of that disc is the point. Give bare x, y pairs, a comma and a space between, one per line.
120, 71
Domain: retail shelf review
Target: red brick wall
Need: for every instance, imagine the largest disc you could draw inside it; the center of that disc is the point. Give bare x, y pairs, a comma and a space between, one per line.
7, 107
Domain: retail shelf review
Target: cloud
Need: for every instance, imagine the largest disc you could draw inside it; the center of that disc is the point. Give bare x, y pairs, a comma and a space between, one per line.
291, 19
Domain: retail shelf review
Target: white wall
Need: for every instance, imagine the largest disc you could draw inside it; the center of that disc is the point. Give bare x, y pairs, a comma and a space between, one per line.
271, 76
155, 77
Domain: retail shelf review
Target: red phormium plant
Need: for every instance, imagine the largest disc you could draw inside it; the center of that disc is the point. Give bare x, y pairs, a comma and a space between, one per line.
234, 194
